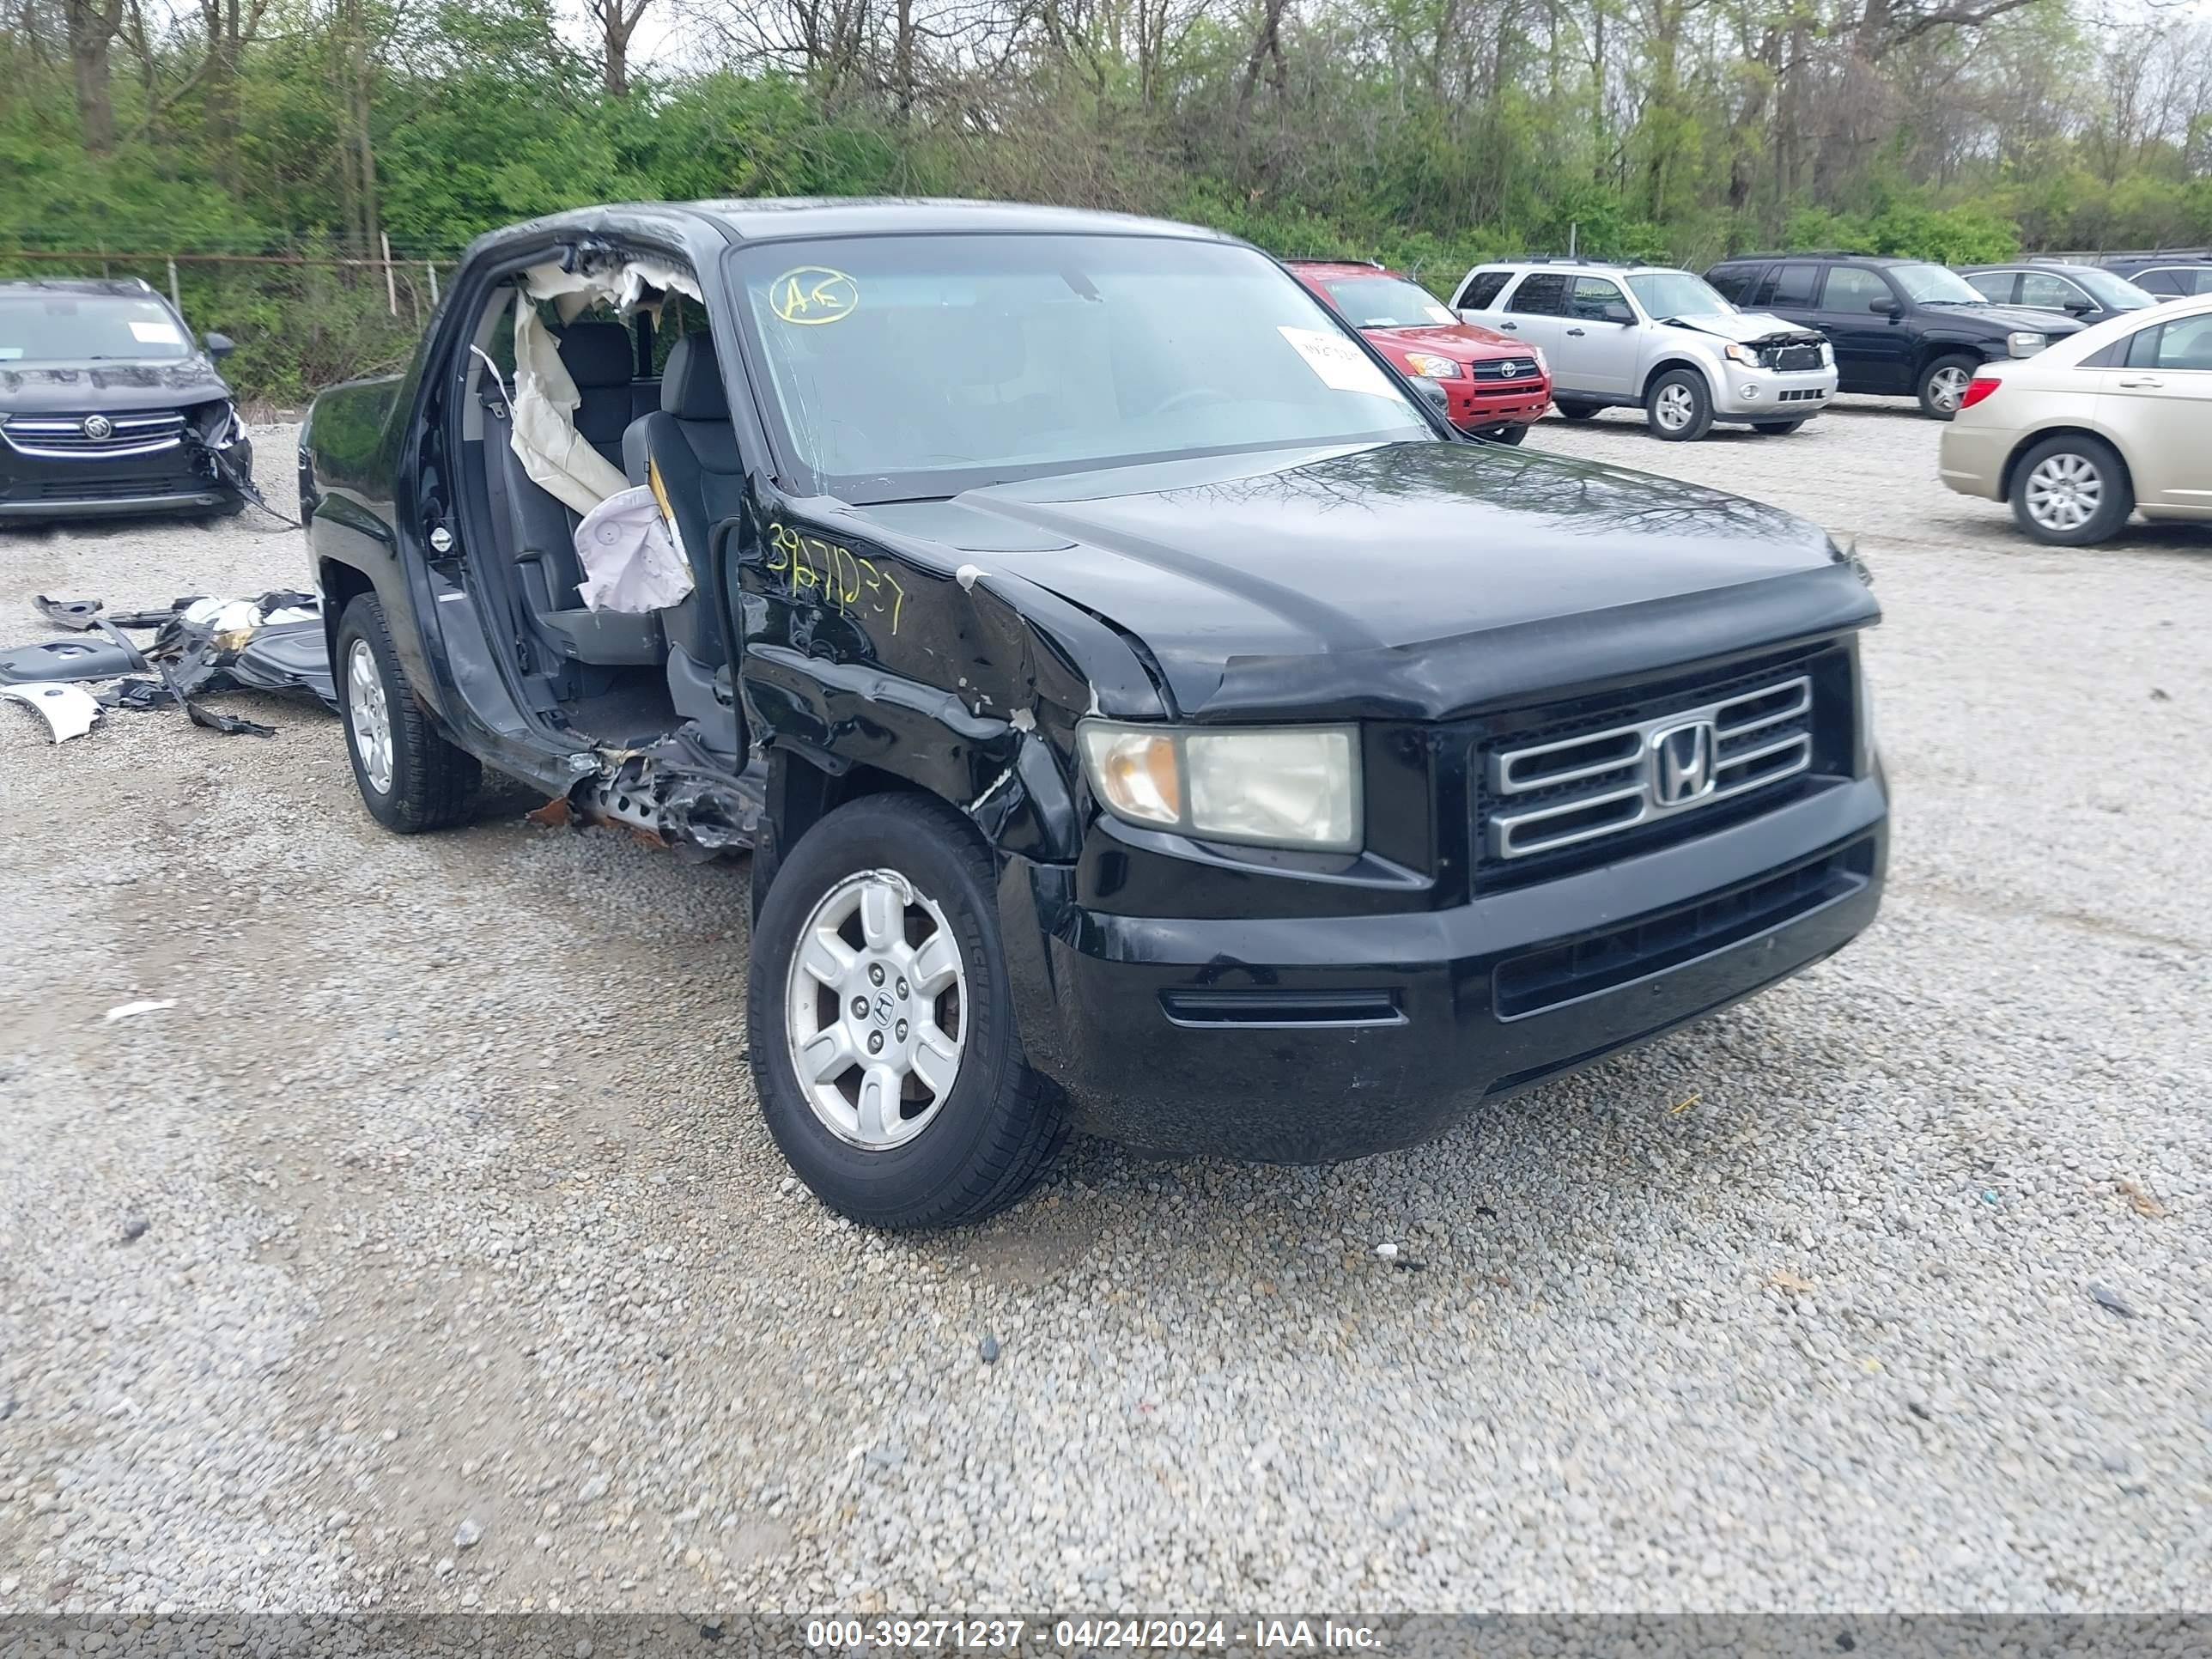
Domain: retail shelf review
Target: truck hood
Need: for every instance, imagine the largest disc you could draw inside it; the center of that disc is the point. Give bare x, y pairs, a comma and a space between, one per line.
1408, 580
2001, 320
108, 385
1746, 327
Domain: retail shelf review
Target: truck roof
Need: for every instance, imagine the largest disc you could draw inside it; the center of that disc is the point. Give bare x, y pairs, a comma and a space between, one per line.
131, 287
757, 219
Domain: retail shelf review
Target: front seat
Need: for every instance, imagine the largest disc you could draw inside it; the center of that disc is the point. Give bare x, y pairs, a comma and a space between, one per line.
690, 441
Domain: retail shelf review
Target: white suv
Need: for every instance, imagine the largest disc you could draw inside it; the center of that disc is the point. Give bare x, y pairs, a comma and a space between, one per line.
1649, 337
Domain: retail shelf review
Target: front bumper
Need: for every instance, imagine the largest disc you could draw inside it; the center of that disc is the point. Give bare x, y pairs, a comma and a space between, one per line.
1477, 407
175, 480
1760, 394
1312, 1040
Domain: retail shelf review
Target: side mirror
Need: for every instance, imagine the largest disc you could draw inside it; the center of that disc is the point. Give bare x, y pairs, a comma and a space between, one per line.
1617, 311
2079, 308
1889, 308
1433, 393
219, 346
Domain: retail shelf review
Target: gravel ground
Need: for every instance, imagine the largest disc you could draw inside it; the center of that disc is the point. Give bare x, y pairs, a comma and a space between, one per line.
428, 1253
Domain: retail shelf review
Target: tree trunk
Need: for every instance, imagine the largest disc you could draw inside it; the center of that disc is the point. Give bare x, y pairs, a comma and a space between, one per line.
91, 34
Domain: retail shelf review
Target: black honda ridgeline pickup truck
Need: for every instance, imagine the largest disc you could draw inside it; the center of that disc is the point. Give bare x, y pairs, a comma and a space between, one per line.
1146, 715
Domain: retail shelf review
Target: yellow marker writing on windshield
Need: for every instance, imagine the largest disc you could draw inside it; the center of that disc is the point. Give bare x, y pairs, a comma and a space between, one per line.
812, 295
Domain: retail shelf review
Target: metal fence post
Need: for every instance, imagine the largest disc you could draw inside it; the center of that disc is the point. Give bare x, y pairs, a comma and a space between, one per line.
431, 266
173, 300
390, 281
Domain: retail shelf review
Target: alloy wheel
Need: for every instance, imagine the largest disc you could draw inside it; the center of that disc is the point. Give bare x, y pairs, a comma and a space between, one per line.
876, 1005
369, 714
2064, 492
1946, 389
1675, 408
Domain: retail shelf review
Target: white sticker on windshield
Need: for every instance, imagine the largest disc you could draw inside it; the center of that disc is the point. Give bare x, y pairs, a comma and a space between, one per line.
1335, 361
9, 354
1438, 314
157, 334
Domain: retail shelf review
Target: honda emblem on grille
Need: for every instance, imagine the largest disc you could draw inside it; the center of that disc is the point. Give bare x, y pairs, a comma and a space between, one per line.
1682, 763
97, 427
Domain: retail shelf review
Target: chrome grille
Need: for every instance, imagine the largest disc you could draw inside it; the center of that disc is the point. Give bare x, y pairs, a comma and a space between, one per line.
1550, 795
92, 437
1502, 368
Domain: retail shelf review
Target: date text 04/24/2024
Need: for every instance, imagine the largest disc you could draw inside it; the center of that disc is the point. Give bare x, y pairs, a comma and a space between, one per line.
1085, 1635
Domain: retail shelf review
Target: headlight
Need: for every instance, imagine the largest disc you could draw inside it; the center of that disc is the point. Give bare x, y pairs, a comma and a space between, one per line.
2024, 343
1543, 363
1271, 787
1827, 356
1436, 368
1742, 353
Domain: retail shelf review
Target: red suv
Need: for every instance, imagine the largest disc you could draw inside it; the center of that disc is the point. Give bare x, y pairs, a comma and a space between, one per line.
1498, 386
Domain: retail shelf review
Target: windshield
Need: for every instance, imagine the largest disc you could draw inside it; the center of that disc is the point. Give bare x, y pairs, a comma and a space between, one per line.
912, 366
64, 328
2114, 292
1385, 302
1677, 294
1932, 285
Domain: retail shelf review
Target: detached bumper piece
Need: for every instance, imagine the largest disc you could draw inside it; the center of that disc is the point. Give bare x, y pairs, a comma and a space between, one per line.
273, 643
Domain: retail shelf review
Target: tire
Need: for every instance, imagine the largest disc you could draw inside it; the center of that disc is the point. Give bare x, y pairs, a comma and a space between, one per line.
1775, 429
1944, 383
1679, 407
1502, 434
1575, 411
2071, 491
943, 1158
421, 781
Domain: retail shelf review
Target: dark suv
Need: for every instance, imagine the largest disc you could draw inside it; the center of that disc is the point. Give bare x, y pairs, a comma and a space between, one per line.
1899, 327
1229, 762
108, 405
2170, 276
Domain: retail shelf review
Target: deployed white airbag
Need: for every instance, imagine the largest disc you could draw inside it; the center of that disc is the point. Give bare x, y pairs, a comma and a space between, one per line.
553, 452
631, 561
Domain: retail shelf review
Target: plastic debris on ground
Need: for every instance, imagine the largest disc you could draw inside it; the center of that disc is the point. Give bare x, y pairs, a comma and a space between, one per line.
68, 710
201, 646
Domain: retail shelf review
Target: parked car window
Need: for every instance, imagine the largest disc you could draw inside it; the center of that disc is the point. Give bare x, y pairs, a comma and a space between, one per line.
1997, 287
1541, 293
1384, 303
1856, 290
1789, 285
2142, 349
2115, 293
2045, 292
905, 367
1730, 283
1677, 294
2197, 281
61, 328
1592, 295
1933, 285
2160, 282
2186, 344
1482, 290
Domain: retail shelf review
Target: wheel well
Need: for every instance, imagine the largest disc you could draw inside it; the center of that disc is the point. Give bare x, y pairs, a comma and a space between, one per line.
1931, 354
1666, 366
340, 584
800, 794
2020, 453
